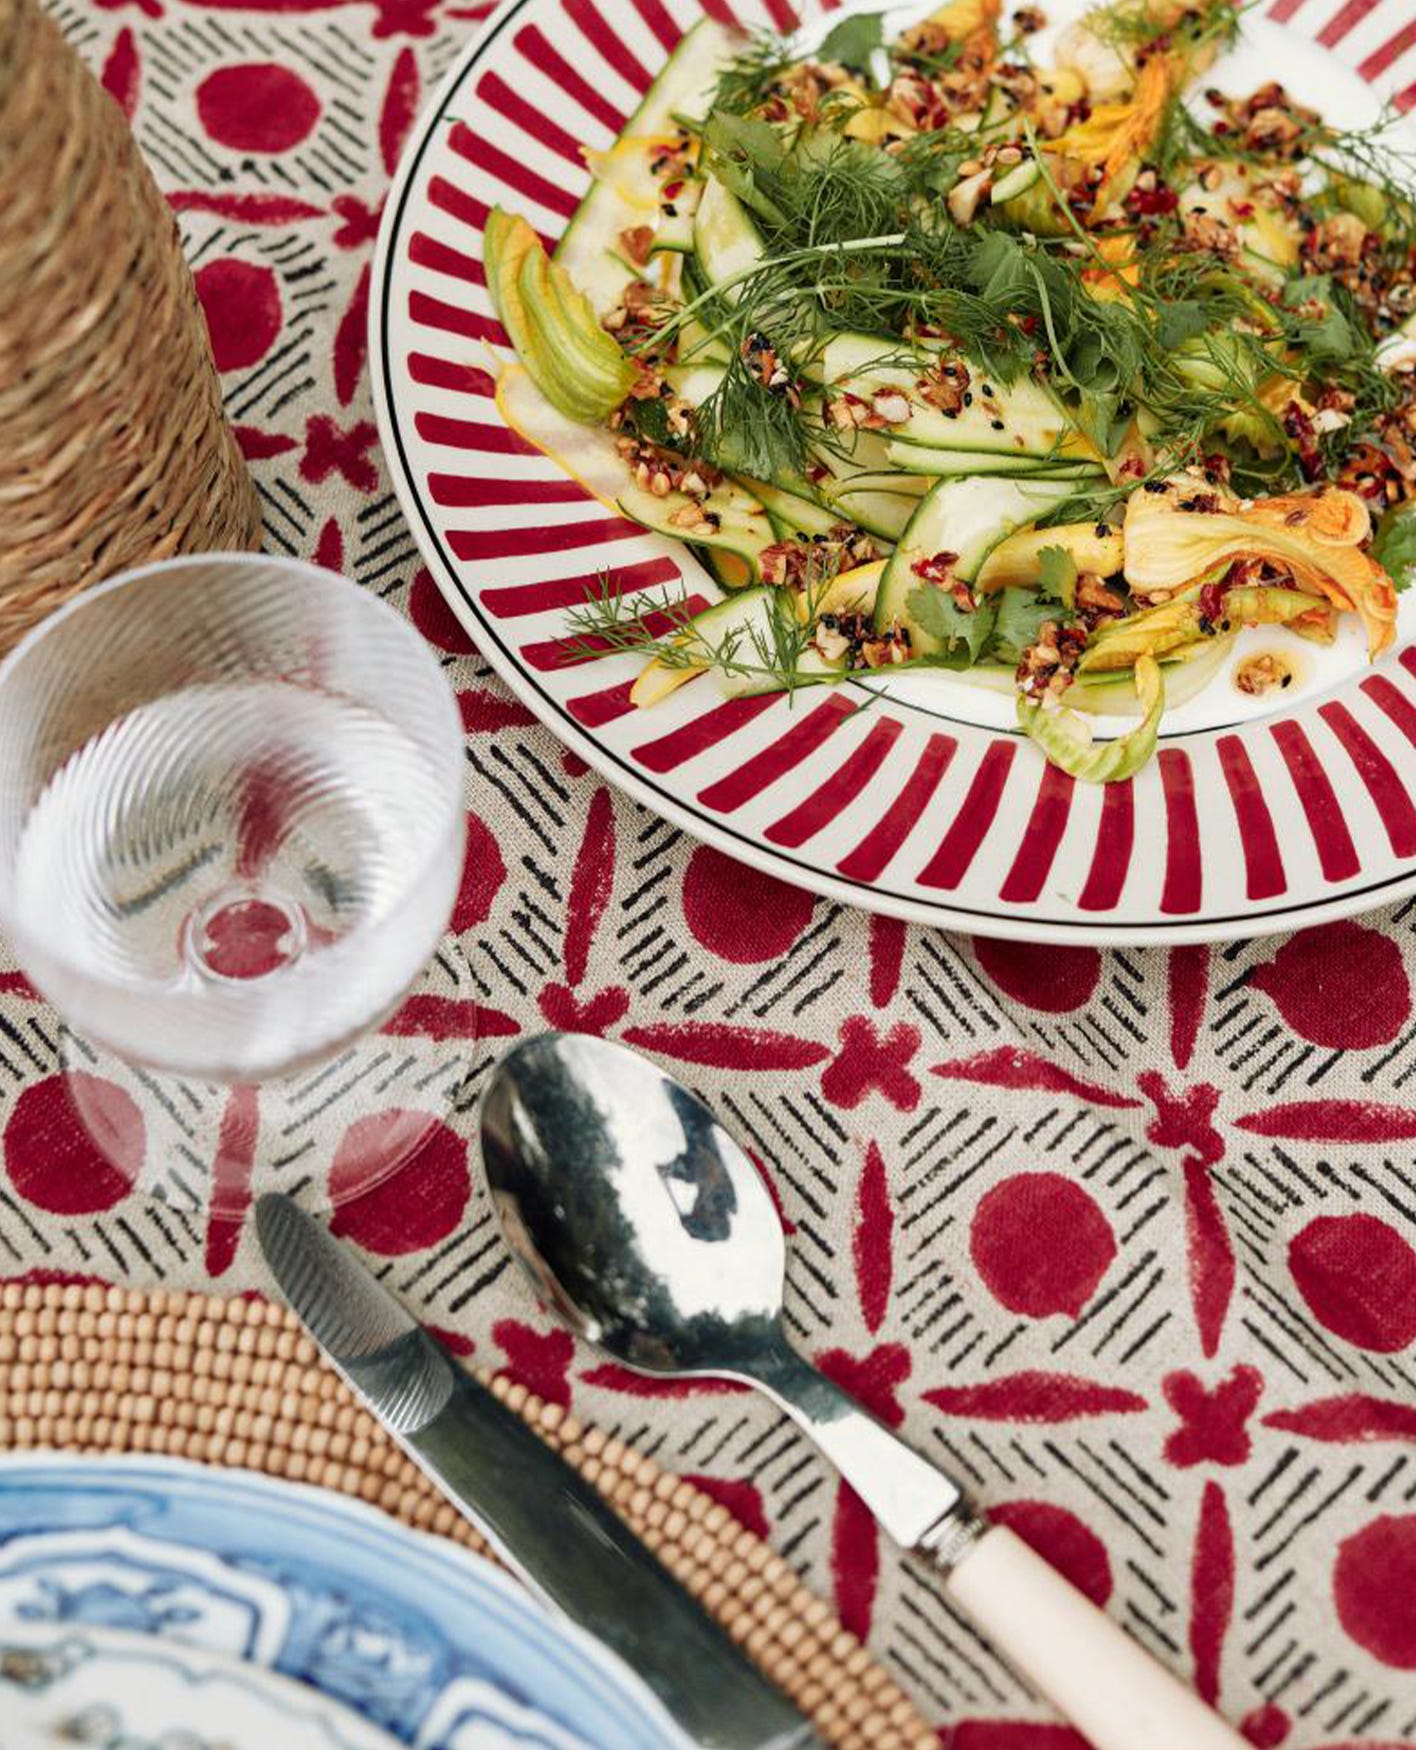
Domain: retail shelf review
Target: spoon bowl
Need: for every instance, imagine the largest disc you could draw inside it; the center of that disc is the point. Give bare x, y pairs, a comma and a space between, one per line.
638, 1217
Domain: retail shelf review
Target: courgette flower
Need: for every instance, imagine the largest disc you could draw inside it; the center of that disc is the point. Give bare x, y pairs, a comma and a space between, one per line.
1316, 538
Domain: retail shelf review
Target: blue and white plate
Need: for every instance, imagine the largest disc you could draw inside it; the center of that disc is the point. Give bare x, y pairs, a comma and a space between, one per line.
64, 1684
407, 1633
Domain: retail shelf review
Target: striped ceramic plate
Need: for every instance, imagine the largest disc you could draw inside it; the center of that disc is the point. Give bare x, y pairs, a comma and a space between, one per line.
926, 805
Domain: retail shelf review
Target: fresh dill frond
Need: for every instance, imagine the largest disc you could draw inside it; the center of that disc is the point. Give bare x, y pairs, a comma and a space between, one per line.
745, 84
659, 626
610, 623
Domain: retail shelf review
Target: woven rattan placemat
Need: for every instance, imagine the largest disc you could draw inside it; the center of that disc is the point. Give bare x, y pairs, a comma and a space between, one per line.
236, 1382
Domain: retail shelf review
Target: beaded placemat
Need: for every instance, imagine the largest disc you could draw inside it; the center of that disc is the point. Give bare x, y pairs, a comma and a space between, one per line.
236, 1382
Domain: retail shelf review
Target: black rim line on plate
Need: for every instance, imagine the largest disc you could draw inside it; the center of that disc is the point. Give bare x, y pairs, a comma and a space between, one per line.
598, 755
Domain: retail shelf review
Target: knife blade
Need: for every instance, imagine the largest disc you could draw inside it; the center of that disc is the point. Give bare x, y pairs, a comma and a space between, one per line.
551, 1526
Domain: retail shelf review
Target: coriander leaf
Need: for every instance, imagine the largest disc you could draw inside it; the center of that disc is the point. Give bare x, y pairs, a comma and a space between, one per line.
744, 153
1180, 321
1395, 546
1093, 361
650, 419
1057, 575
936, 612
852, 42
1019, 620
1000, 270
1316, 325
745, 140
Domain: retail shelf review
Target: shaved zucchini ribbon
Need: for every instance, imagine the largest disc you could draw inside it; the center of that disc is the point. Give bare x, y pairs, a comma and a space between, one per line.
1065, 737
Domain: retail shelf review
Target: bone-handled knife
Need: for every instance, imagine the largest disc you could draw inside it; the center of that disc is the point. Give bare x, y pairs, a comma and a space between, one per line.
552, 1527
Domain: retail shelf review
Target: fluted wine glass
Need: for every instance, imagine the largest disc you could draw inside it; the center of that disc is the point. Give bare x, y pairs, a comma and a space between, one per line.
231, 833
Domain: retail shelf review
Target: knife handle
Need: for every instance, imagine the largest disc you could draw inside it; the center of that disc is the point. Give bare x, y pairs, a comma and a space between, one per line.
1091, 1671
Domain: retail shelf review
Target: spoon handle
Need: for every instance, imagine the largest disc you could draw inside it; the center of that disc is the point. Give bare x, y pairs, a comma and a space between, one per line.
1091, 1671
905, 1492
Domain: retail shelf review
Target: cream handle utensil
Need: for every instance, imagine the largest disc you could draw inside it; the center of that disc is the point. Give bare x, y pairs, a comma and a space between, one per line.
1093, 1673
1089, 1668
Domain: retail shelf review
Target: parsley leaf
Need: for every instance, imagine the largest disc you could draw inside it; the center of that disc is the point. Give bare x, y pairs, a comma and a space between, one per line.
1057, 575
936, 612
1395, 546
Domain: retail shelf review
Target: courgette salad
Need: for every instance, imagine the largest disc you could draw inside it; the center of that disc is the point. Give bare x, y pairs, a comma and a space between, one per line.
939, 357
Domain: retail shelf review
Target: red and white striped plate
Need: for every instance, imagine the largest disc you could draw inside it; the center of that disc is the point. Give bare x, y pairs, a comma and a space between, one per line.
926, 805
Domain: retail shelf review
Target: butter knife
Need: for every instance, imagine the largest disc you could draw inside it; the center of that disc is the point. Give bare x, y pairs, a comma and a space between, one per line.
552, 1527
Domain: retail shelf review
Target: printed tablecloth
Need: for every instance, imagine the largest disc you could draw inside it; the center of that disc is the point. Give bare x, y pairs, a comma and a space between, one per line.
1126, 1240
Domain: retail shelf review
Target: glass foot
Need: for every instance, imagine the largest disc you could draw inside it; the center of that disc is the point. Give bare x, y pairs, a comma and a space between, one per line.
331, 1134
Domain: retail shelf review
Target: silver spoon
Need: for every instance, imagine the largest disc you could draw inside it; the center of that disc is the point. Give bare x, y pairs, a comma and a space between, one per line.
643, 1222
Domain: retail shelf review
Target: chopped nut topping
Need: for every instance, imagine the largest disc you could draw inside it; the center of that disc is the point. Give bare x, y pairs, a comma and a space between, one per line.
945, 386
636, 243
1338, 241
662, 472
892, 406
1045, 670
761, 356
1267, 123
967, 196
1203, 231
938, 568
854, 639
806, 562
1096, 604
1299, 426
1260, 674
846, 412
641, 310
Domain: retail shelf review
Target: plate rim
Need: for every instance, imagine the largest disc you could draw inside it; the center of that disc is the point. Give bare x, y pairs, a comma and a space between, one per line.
1077, 930
573, 1647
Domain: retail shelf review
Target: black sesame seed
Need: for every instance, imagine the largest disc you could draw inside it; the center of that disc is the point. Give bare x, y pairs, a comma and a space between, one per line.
968, 397
997, 424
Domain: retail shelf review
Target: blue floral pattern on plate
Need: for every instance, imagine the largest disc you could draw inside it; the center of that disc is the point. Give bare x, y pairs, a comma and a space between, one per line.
113, 1690
430, 1644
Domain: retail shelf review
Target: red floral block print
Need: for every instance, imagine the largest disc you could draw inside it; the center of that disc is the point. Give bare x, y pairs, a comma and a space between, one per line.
1124, 1240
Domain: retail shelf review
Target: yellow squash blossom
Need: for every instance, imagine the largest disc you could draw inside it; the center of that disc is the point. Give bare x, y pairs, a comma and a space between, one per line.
1117, 136
958, 18
1317, 538
1112, 283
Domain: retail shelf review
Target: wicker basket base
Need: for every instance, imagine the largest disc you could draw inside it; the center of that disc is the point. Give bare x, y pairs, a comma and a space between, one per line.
88, 1369
116, 451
